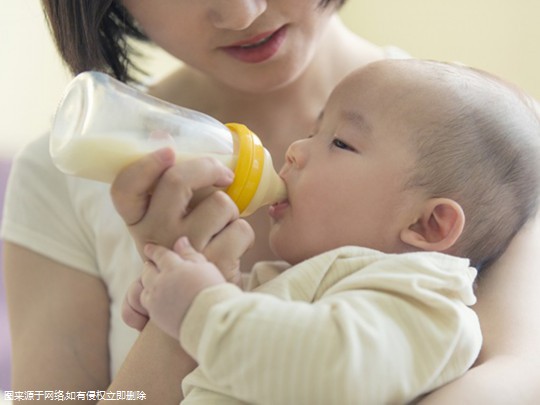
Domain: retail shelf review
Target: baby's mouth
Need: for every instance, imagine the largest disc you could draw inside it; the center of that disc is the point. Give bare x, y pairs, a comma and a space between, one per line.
277, 210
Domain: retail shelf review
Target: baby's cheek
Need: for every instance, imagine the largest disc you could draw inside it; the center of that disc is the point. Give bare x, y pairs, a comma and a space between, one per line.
275, 238
282, 243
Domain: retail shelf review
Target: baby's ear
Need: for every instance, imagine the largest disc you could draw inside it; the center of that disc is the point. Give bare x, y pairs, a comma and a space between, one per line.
438, 228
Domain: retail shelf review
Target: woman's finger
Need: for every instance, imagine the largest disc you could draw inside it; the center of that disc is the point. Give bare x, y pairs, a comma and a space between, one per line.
174, 193
133, 313
167, 212
226, 249
131, 189
149, 274
209, 218
132, 318
133, 296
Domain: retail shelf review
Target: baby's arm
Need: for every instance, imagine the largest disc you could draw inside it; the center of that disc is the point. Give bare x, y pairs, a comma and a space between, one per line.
335, 350
171, 280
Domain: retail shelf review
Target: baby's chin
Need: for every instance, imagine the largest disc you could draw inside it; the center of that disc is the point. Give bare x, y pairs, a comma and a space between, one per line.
290, 253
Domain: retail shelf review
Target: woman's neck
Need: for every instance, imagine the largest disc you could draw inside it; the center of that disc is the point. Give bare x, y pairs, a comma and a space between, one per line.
280, 116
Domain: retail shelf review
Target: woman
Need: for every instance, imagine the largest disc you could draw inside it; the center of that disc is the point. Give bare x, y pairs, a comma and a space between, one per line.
69, 259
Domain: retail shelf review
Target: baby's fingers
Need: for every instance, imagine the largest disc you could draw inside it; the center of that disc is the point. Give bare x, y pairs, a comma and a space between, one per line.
133, 313
161, 258
149, 275
187, 252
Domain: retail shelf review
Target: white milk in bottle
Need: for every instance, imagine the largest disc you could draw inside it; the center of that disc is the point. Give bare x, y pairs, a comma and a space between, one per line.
103, 125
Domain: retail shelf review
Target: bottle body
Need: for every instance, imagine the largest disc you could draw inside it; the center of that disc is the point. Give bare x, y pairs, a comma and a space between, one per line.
101, 157
103, 125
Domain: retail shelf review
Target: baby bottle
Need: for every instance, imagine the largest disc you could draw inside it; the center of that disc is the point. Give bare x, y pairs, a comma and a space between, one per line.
102, 125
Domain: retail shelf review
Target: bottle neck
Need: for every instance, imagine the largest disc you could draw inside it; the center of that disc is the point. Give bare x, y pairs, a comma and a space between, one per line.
249, 166
256, 183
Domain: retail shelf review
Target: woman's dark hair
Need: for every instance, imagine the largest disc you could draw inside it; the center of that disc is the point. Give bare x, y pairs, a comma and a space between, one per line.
94, 34
326, 3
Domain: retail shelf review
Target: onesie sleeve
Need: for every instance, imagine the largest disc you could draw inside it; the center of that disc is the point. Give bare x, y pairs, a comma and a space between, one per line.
386, 334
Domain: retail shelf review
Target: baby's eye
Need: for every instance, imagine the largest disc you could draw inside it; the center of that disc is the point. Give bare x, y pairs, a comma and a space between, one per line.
338, 143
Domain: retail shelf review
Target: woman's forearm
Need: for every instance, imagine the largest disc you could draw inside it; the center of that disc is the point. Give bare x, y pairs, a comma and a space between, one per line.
500, 381
508, 369
156, 366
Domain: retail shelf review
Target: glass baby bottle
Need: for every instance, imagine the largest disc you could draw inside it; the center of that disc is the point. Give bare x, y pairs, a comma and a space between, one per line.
102, 125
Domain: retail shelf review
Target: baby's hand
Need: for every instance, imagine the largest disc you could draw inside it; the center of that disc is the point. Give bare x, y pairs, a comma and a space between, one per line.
171, 280
133, 313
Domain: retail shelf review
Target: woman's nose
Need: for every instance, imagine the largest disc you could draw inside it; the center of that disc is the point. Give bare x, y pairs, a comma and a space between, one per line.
235, 14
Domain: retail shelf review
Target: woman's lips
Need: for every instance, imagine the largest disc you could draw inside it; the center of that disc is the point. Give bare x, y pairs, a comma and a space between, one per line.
259, 48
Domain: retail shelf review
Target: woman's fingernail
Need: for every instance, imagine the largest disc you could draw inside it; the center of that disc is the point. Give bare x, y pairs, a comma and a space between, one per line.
229, 174
165, 154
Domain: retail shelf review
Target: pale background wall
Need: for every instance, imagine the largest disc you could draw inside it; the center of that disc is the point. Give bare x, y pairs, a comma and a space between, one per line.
501, 36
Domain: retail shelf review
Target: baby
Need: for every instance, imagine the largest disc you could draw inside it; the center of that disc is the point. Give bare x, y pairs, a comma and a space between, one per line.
416, 173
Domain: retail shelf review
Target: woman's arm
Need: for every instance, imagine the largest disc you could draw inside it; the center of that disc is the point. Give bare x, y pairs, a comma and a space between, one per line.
153, 196
508, 369
156, 365
59, 320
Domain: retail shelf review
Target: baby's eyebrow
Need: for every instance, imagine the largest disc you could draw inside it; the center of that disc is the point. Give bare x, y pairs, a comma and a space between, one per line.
318, 121
358, 120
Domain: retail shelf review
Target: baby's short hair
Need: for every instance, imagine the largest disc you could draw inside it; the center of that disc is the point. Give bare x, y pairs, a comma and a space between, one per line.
483, 152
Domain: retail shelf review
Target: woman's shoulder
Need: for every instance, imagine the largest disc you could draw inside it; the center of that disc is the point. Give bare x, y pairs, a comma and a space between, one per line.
35, 155
34, 174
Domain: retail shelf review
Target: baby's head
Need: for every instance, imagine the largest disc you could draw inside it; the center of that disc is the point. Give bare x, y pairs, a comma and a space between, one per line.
413, 155
480, 147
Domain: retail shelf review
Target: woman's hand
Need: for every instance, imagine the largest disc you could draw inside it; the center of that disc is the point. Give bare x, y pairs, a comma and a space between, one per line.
154, 197
133, 312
